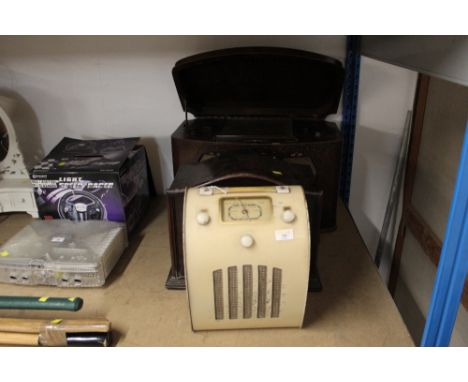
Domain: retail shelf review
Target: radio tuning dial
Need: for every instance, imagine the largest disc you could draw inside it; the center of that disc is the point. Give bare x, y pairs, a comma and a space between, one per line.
288, 216
247, 241
203, 218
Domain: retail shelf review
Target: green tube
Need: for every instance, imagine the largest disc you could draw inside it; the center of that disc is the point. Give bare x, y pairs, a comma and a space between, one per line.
41, 303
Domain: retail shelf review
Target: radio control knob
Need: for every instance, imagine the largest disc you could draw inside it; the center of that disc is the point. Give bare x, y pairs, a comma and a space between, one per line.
203, 218
247, 241
288, 216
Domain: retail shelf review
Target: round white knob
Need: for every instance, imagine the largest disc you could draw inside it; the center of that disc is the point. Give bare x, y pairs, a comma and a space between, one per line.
246, 241
203, 218
288, 216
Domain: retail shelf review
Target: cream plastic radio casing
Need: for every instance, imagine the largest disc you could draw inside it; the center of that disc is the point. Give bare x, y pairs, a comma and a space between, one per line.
245, 265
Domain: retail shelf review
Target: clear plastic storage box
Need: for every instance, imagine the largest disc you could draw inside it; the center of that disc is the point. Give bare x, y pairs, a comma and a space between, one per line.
63, 253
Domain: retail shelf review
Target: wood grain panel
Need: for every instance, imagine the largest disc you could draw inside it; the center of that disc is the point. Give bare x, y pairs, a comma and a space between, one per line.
429, 241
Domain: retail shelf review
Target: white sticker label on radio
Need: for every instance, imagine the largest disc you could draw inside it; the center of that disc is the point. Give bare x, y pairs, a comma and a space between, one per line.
284, 234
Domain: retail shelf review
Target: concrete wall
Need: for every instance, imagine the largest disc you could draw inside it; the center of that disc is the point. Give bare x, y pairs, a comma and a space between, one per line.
441, 142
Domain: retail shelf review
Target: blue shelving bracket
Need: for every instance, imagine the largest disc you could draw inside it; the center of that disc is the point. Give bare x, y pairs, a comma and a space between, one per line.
453, 263
350, 101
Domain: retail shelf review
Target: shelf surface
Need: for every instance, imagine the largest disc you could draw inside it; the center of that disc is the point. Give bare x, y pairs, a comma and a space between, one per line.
354, 308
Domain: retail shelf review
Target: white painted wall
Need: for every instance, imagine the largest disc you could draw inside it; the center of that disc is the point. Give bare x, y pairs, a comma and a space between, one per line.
101, 87
386, 93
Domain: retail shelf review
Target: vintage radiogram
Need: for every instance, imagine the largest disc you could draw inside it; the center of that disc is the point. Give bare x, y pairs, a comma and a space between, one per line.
269, 101
246, 170
247, 255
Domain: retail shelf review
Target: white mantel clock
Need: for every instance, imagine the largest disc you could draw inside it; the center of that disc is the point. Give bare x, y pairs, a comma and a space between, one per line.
16, 192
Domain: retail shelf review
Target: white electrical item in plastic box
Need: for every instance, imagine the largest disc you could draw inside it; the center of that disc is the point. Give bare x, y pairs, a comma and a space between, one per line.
62, 253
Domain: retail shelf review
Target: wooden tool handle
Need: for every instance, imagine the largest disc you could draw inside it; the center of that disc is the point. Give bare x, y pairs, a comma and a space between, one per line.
30, 325
21, 339
57, 332
21, 325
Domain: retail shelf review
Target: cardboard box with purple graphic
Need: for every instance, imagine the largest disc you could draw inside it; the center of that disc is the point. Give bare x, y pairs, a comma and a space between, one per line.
93, 180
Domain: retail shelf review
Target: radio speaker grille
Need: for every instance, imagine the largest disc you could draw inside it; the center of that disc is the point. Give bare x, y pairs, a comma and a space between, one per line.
218, 294
248, 303
232, 283
247, 285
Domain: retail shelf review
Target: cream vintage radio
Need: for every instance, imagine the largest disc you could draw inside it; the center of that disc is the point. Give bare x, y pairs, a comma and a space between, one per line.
247, 256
